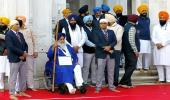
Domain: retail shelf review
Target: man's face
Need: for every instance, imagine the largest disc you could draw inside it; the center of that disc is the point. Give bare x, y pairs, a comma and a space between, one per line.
103, 25
72, 23
62, 40
98, 14
16, 27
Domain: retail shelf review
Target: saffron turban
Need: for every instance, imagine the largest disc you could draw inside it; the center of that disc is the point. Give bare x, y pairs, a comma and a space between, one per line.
66, 11
23, 18
105, 8
4, 20
88, 18
117, 8
163, 15
142, 7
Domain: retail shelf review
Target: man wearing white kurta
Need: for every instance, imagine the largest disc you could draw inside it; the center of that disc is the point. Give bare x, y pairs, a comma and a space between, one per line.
161, 53
143, 29
76, 36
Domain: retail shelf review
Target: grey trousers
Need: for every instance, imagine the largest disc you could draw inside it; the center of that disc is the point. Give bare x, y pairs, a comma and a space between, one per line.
20, 70
89, 63
102, 63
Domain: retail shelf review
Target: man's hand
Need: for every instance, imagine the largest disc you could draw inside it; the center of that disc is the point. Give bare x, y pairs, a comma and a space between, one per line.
35, 54
137, 54
5, 52
107, 48
76, 48
55, 45
25, 54
159, 46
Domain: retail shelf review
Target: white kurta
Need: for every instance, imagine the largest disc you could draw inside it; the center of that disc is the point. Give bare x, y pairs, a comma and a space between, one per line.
145, 46
4, 65
161, 35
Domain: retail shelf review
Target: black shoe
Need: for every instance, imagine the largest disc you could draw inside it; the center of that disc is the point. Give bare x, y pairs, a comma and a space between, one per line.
115, 83
62, 89
83, 89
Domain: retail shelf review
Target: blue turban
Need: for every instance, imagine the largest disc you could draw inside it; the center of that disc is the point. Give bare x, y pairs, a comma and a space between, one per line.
105, 8
60, 35
72, 16
83, 9
97, 9
88, 18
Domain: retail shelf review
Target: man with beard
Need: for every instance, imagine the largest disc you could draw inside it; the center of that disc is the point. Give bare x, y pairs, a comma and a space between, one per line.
64, 22
130, 48
89, 52
76, 36
105, 41
4, 67
143, 29
65, 73
121, 19
83, 11
96, 17
161, 52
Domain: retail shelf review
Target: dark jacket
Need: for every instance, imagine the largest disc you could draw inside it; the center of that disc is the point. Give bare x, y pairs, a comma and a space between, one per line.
90, 36
126, 47
96, 22
122, 20
101, 42
62, 23
15, 48
143, 28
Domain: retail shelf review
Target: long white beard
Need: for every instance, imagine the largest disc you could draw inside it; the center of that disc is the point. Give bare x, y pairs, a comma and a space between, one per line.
62, 45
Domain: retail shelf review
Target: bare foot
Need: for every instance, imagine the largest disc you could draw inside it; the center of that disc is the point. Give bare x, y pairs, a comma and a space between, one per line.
124, 86
34, 89
13, 97
114, 90
73, 91
97, 91
24, 94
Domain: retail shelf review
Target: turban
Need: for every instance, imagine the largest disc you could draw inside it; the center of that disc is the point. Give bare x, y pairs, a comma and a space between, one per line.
142, 7
60, 35
133, 18
66, 11
118, 8
97, 9
4, 20
163, 15
88, 18
103, 21
23, 18
83, 9
72, 17
110, 18
13, 22
105, 7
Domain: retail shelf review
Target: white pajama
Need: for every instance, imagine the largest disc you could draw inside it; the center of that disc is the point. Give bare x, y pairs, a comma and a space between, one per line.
163, 73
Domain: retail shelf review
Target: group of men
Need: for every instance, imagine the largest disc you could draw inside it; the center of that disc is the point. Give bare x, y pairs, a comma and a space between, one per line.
99, 40
88, 49
17, 56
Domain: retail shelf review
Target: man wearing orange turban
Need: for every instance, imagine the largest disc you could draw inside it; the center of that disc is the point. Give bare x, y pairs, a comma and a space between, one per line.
4, 67
143, 29
64, 22
122, 19
161, 52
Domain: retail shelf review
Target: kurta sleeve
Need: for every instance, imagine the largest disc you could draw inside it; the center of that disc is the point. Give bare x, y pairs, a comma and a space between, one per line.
154, 38
83, 39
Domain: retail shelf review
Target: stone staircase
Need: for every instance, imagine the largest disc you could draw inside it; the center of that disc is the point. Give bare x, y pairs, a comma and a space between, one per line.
142, 77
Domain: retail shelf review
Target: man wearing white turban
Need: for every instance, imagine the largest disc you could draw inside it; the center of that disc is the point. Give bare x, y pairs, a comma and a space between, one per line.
17, 52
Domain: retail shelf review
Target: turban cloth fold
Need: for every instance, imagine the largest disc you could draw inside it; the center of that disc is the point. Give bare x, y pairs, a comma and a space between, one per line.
117, 8
105, 7
23, 18
72, 17
142, 7
66, 11
83, 9
103, 21
60, 35
110, 18
97, 9
133, 18
163, 15
88, 18
4, 20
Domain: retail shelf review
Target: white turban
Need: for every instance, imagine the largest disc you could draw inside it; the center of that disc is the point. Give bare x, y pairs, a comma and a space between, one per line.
110, 18
103, 21
13, 22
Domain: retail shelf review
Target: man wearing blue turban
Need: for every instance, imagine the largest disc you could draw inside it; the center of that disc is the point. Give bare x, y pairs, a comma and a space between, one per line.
96, 17
105, 8
67, 70
89, 52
